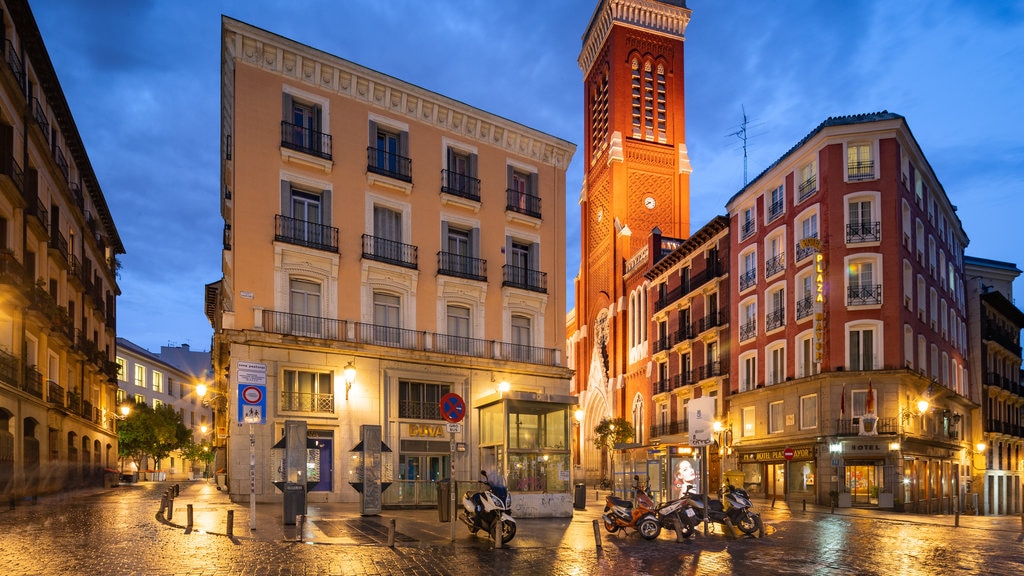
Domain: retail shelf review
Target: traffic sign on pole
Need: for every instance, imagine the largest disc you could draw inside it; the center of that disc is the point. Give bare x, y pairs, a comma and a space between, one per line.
453, 407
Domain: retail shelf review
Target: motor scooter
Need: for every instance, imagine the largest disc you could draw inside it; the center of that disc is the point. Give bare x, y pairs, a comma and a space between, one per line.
621, 514
487, 509
733, 509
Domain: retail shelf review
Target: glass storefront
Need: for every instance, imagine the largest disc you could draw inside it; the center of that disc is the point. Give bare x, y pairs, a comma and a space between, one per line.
527, 444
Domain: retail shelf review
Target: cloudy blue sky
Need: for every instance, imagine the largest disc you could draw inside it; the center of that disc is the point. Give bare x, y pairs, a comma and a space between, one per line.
142, 80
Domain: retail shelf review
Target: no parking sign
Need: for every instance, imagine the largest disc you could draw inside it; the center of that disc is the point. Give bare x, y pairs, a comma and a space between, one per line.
252, 393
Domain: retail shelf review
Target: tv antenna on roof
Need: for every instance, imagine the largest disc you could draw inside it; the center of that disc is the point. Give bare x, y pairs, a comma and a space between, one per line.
743, 133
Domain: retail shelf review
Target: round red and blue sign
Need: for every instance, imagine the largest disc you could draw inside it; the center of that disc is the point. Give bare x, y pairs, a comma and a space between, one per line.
453, 407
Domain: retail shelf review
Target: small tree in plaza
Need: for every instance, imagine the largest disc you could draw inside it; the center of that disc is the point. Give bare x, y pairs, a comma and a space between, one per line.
151, 432
612, 431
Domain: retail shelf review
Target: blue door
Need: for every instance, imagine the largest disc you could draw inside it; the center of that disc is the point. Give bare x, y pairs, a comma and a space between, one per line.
326, 447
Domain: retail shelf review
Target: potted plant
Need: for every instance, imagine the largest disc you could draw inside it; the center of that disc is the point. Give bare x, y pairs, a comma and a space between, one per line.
833, 496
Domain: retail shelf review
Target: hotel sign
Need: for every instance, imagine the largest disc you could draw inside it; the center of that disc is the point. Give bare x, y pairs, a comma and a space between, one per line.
805, 453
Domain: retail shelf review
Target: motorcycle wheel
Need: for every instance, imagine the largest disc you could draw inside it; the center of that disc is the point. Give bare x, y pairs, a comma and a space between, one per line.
684, 525
748, 522
508, 531
609, 526
649, 527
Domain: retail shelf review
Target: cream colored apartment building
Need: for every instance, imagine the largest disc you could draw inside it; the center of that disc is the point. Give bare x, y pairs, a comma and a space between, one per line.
58, 281
375, 225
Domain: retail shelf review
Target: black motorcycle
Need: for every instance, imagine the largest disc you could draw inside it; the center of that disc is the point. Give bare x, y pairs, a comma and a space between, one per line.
733, 509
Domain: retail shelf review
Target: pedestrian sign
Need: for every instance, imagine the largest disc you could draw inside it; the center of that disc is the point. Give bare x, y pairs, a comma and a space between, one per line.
252, 392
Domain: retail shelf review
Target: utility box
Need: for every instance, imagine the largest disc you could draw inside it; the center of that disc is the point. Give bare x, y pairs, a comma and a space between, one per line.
294, 501
579, 496
444, 501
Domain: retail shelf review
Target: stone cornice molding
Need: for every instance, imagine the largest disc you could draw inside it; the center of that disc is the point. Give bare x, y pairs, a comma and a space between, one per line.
247, 45
652, 15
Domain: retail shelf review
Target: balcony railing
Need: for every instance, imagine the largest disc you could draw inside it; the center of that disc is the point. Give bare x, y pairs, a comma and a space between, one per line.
864, 170
685, 332
462, 185
59, 243
713, 319
748, 278
307, 402
55, 393
301, 325
775, 318
711, 370
804, 307
748, 329
33, 382
62, 163
380, 161
851, 426
864, 295
670, 428
40, 117
419, 410
14, 63
775, 210
1004, 338
461, 266
774, 265
12, 272
303, 233
807, 188
522, 203
306, 140
525, 278
390, 251
860, 232
746, 229
805, 251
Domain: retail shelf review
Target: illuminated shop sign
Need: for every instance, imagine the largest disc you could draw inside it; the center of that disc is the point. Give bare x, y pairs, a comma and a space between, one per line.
425, 430
805, 453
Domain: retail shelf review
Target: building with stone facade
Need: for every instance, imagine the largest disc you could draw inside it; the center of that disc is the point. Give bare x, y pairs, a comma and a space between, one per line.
150, 378
636, 180
994, 325
849, 324
58, 279
385, 246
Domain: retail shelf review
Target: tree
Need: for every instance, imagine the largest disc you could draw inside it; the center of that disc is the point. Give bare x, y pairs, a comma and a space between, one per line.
151, 432
612, 431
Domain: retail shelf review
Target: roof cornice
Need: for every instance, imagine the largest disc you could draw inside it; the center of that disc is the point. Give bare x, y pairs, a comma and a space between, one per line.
666, 18
302, 64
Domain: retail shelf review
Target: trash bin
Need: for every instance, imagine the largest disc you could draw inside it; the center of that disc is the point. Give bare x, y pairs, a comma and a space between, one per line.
444, 501
294, 501
579, 496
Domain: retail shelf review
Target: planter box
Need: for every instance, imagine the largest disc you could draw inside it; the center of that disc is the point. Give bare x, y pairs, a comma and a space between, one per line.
845, 500
885, 500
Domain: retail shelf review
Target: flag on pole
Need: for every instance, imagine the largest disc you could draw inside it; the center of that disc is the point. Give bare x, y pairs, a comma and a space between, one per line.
842, 403
869, 404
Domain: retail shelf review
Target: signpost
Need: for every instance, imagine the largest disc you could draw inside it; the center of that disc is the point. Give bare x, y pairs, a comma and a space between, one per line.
453, 410
787, 453
252, 409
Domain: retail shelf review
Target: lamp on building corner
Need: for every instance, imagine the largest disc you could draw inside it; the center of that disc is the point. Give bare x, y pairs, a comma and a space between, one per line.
350, 377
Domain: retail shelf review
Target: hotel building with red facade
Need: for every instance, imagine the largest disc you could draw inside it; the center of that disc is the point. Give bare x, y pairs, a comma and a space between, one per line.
849, 337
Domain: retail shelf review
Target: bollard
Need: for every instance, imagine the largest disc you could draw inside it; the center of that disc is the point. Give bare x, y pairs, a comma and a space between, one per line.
496, 534
597, 534
300, 521
1021, 521
956, 518
805, 505
189, 525
163, 503
177, 490
231, 523
773, 502
391, 534
170, 509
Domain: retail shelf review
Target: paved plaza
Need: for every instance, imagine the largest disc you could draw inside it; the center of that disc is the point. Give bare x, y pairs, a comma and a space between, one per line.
122, 531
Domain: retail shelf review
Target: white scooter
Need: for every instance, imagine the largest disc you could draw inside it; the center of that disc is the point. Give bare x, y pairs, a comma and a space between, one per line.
488, 509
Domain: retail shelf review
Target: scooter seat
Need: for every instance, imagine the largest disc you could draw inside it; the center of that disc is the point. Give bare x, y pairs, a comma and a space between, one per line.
620, 502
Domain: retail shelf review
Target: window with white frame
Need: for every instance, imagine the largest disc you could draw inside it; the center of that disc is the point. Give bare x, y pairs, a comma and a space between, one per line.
805, 291
863, 346
122, 369
307, 391
805, 353
933, 299
775, 257
933, 352
776, 203
859, 163
748, 371
808, 181
387, 318
522, 338
862, 225
776, 369
862, 288
808, 228
748, 269
907, 226
639, 420
458, 336
748, 319
776, 418
748, 223
808, 411
860, 403
158, 382
747, 422
908, 285
908, 346
922, 354
140, 376
775, 317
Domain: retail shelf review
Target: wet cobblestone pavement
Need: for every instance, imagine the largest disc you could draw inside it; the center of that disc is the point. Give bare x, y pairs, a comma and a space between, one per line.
120, 531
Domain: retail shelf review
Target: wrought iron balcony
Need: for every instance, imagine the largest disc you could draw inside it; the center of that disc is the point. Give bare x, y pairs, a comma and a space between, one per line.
864, 295
303, 233
864, 170
390, 251
748, 329
685, 332
462, 185
808, 187
804, 307
380, 161
746, 229
861, 232
775, 265
40, 117
775, 210
806, 251
748, 279
307, 402
302, 325
775, 318
306, 140
460, 266
712, 319
525, 278
522, 203
711, 370
670, 428
14, 63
